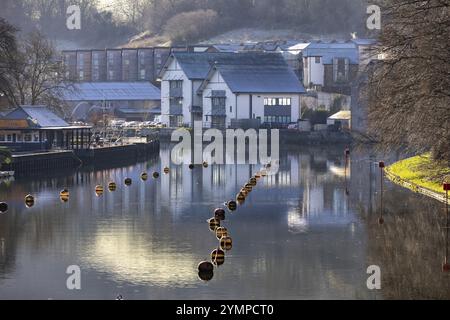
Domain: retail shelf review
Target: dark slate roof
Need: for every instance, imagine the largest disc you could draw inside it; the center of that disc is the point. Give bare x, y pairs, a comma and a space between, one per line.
330, 50
39, 116
256, 73
197, 65
248, 79
113, 91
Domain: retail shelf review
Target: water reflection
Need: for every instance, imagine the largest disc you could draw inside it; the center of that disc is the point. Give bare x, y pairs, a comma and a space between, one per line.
310, 231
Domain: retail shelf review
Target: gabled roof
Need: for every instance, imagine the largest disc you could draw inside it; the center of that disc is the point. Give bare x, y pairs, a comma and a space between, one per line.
37, 117
113, 91
330, 50
196, 65
256, 73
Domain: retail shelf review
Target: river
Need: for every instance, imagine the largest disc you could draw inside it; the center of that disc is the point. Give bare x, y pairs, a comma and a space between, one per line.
309, 232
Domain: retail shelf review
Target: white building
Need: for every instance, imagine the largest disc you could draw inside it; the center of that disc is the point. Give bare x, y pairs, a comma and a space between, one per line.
229, 89
330, 66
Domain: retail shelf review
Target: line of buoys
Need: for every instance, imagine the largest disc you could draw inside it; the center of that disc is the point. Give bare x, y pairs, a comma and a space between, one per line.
99, 191
206, 273
112, 186
29, 201
166, 170
3, 207
221, 232
155, 175
144, 176
128, 182
219, 214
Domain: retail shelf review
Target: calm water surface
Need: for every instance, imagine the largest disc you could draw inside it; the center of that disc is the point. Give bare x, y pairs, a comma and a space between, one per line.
307, 233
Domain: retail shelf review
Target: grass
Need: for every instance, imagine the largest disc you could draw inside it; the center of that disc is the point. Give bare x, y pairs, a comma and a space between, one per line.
423, 171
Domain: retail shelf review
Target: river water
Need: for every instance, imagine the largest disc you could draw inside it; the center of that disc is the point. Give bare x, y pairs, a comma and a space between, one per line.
309, 232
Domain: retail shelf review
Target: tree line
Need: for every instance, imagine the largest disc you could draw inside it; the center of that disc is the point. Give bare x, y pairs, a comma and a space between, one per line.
184, 20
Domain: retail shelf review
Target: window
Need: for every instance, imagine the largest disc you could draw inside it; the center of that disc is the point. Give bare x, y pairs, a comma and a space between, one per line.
27, 138
231, 109
142, 75
218, 102
2, 137
36, 138
317, 59
340, 69
277, 101
176, 101
175, 84
9, 138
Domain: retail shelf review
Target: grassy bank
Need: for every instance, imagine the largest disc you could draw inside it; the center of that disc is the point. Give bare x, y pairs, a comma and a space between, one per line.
421, 171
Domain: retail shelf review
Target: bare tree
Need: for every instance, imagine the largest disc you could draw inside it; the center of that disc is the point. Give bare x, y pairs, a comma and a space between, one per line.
7, 50
409, 91
36, 74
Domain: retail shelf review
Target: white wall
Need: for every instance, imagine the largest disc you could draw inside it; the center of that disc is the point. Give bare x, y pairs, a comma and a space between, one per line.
242, 111
313, 72
174, 72
217, 83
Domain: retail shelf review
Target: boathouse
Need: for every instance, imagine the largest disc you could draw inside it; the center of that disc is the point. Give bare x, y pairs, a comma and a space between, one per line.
36, 128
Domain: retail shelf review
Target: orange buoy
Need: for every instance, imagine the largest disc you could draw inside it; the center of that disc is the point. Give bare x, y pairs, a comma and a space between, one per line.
205, 164
191, 166
221, 232
144, 176
64, 195
128, 182
232, 205
112, 186
253, 182
240, 197
155, 175
99, 191
213, 224
248, 187
166, 170
226, 243
29, 201
218, 257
